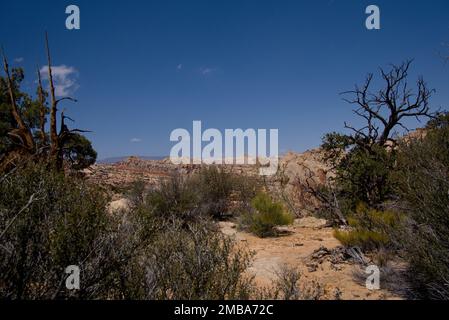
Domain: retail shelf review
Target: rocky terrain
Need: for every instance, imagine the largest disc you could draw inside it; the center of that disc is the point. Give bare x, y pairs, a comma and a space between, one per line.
308, 245
294, 170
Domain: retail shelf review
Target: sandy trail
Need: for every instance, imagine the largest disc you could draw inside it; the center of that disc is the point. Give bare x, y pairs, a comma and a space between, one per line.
305, 236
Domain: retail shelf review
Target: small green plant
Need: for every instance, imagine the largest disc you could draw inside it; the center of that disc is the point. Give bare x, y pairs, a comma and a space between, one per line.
361, 238
265, 216
370, 228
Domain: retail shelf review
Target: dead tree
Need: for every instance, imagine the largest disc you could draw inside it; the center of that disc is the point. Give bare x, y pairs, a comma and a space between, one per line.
386, 109
42, 110
65, 132
23, 136
56, 146
22, 133
325, 194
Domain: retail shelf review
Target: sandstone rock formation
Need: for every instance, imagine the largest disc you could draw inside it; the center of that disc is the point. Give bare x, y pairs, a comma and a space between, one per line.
297, 172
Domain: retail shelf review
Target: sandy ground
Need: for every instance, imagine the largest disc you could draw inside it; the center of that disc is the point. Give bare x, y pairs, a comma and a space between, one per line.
294, 250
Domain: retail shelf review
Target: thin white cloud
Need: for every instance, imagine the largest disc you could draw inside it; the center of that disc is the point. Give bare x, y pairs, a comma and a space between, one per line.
64, 77
19, 60
135, 140
206, 71
179, 66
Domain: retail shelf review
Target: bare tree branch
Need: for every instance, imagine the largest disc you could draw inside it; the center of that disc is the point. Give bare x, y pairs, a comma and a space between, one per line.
55, 145
23, 131
42, 108
66, 98
384, 110
30, 201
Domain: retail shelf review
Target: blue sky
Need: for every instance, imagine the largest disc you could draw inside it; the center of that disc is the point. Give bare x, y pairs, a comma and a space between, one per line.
143, 68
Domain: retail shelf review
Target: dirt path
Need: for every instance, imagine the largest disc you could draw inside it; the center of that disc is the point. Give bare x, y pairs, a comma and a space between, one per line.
294, 249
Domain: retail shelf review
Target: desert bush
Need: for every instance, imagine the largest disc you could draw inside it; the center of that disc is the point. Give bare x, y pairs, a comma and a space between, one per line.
423, 187
136, 192
288, 286
78, 152
370, 229
49, 221
216, 187
365, 239
212, 192
265, 216
224, 193
363, 174
177, 260
175, 198
196, 263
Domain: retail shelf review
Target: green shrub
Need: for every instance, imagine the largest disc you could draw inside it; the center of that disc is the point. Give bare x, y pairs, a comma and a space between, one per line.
364, 175
175, 198
196, 263
423, 185
78, 152
212, 192
370, 229
365, 239
266, 215
224, 193
49, 221
216, 187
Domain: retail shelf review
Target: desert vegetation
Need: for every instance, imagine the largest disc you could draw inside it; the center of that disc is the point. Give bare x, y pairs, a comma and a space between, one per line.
387, 197
165, 247
265, 216
391, 189
50, 221
23, 124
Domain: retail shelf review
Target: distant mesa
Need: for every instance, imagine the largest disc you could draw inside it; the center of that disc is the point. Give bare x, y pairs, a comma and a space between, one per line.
121, 159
